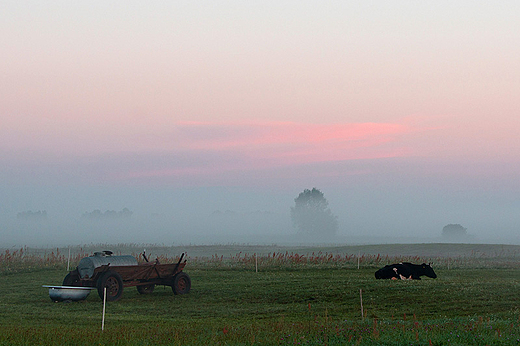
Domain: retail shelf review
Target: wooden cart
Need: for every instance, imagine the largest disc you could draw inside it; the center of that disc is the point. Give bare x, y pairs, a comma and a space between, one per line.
144, 276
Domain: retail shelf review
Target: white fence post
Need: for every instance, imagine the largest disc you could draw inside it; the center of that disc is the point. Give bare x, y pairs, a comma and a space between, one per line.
104, 304
361, 301
68, 260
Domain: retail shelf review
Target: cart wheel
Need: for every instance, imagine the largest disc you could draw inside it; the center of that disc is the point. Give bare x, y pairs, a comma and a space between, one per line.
114, 284
70, 280
181, 283
145, 289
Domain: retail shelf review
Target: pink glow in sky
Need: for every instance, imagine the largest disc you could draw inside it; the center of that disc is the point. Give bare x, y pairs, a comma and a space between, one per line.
422, 96
263, 145
268, 83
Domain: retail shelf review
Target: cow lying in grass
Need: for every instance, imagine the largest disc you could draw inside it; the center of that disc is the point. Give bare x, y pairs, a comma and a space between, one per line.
405, 271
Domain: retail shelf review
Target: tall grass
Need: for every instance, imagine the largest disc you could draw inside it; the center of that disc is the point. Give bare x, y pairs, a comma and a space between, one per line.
26, 259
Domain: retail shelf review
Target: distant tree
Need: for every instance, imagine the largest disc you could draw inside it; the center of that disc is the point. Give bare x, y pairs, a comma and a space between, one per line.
32, 215
108, 215
311, 215
125, 213
454, 231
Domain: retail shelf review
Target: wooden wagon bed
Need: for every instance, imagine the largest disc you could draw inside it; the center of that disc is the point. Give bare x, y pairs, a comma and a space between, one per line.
111, 280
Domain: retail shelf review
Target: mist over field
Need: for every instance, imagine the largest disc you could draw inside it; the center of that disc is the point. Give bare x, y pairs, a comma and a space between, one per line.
209, 215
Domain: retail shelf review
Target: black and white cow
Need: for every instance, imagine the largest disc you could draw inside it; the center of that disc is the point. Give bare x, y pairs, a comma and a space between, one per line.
405, 271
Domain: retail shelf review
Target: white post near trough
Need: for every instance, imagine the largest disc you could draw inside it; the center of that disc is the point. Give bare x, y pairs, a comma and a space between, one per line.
104, 305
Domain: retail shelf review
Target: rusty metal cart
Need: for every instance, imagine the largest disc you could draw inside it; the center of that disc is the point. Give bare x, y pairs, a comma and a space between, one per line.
102, 270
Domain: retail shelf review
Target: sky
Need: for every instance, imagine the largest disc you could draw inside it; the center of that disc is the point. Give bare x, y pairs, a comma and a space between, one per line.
404, 114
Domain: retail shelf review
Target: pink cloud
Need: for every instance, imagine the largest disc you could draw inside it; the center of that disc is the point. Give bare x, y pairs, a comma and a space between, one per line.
225, 135
220, 147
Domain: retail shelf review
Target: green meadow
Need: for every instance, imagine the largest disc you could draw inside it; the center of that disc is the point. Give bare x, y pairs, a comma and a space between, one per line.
268, 295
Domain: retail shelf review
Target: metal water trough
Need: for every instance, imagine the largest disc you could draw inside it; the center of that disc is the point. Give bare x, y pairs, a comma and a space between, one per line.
68, 293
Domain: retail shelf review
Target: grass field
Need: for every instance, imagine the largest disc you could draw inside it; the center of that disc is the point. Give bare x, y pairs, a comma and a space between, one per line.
305, 296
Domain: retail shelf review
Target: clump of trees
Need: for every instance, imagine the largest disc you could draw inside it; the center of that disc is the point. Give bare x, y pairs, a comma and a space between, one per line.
311, 214
32, 215
97, 214
454, 231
